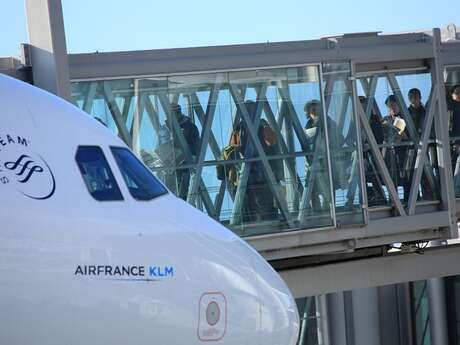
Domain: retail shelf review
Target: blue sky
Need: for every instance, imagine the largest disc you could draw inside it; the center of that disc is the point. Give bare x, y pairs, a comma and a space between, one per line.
110, 25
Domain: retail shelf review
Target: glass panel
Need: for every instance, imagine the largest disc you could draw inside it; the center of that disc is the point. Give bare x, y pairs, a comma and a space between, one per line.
238, 146
97, 174
140, 182
453, 108
421, 312
342, 143
153, 136
396, 107
309, 323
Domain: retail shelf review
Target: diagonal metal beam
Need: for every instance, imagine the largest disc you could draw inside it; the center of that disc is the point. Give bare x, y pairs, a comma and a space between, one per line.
284, 92
152, 114
370, 96
126, 105
310, 182
282, 144
179, 136
89, 97
236, 115
410, 126
369, 88
220, 198
380, 161
239, 102
245, 166
202, 118
116, 114
422, 146
205, 135
328, 89
371, 105
137, 119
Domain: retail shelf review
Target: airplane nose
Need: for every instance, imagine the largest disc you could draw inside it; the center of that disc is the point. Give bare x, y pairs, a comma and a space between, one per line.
279, 314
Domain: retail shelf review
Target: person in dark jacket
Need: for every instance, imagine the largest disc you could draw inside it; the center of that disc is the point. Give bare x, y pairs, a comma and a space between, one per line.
394, 134
259, 202
453, 107
375, 193
316, 154
418, 113
192, 139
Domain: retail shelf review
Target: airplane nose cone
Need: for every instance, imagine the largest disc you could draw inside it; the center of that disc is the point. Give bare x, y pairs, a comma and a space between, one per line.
279, 315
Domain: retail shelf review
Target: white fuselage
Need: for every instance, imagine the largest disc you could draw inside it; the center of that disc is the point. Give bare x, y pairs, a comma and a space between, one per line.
75, 270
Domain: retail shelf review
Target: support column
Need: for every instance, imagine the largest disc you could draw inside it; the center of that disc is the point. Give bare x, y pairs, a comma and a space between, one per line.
322, 317
48, 53
366, 316
336, 318
438, 312
389, 315
405, 316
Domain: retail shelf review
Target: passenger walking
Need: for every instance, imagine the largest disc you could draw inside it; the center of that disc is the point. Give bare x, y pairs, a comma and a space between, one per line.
316, 172
418, 113
394, 133
190, 133
453, 107
375, 193
259, 202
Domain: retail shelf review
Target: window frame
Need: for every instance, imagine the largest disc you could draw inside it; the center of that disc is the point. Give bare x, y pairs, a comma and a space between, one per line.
110, 172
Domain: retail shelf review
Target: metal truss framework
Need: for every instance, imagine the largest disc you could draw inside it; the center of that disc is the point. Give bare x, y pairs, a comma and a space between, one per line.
371, 57
288, 120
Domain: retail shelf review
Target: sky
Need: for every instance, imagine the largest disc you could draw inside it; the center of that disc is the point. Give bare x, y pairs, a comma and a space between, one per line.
115, 25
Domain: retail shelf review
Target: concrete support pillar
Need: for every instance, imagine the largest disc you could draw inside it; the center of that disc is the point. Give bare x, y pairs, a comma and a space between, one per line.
366, 316
336, 319
389, 315
405, 315
48, 53
438, 313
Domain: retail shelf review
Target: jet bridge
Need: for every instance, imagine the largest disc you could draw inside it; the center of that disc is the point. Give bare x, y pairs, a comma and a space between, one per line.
335, 193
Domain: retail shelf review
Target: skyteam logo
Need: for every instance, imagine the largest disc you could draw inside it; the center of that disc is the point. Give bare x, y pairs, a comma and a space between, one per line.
25, 170
126, 273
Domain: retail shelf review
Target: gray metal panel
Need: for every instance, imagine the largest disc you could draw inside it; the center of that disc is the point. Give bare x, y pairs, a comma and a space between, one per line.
451, 53
388, 315
48, 46
435, 262
245, 56
366, 318
382, 231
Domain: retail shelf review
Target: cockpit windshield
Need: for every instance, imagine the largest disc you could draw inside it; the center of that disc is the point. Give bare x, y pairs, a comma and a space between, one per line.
97, 174
140, 181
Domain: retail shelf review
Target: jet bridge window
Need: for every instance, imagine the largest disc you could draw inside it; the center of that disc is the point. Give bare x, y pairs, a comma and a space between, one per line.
140, 181
97, 174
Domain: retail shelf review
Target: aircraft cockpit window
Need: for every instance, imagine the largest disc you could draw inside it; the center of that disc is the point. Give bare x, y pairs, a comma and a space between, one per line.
97, 174
140, 181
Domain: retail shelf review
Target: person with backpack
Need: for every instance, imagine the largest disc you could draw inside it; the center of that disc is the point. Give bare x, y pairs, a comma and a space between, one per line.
259, 203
